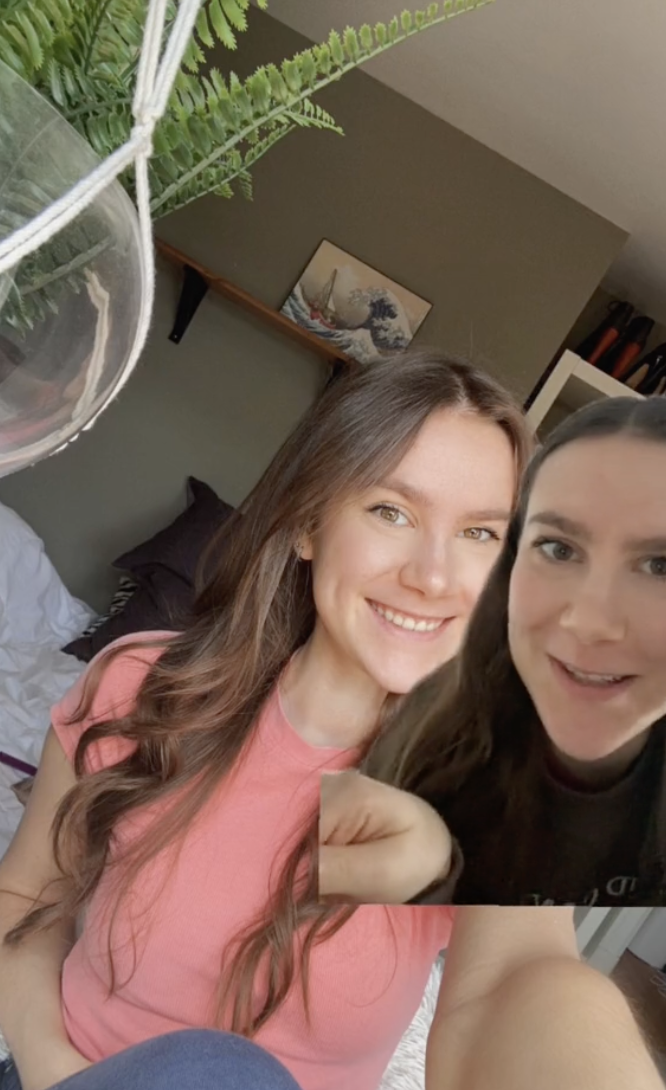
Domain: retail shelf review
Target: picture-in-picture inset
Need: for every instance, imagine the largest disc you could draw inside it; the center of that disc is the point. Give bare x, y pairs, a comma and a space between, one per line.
528, 769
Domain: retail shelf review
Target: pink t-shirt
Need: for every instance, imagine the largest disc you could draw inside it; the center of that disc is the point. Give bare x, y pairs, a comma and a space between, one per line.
366, 982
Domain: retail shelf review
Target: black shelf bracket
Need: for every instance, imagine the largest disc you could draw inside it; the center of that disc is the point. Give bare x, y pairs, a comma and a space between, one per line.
192, 292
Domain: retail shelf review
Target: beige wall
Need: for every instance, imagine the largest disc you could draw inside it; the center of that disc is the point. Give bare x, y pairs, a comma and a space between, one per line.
507, 262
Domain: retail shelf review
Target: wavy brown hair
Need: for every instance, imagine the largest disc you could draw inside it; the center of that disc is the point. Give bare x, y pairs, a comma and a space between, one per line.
468, 739
196, 710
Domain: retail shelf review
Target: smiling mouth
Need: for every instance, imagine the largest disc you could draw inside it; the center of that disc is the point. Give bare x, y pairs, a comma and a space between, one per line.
408, 621
586, 677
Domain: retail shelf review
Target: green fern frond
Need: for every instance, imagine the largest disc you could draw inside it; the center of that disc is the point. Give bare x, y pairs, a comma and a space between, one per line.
28, 33
286, 90
83, 55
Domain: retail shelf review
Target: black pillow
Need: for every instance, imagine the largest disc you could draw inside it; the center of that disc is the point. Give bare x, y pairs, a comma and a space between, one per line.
164, 569
179, 546
160, 603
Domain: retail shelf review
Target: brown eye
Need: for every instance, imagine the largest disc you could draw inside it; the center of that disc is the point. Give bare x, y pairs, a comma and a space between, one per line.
387, 512
557, 551
480, 533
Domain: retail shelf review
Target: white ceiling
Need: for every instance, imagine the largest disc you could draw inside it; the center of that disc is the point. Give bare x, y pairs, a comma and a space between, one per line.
572, 90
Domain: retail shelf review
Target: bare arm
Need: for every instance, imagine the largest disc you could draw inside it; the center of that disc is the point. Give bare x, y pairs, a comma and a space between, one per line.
518, 1009
30, 1008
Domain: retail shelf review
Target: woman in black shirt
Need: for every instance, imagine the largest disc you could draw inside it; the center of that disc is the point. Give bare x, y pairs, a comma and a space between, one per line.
541, 746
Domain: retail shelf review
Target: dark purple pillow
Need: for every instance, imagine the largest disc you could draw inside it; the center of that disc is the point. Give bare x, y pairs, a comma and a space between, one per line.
164, 568
179, 546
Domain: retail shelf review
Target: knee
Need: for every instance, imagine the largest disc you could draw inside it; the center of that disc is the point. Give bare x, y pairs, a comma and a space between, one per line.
204, 1057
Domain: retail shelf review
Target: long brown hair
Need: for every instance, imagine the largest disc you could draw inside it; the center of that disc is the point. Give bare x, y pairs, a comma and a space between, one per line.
468, 738
198, 705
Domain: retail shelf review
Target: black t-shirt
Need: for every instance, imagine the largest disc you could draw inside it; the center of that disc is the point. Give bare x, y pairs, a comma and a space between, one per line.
588, 855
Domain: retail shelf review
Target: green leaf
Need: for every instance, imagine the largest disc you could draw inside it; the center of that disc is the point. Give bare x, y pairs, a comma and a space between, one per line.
351, 46
235, 13
259, 88
367, 40
292, 76
240, 98
336, 48
308, 67
381, 34
279, 89
322, 56
41, 23
218, 129
203, 29
211, 93
394, 29
406, 21
24, 48
228, 113
245, 184
69, 81
218, 83
220, 25
9, 55
161, 144
193, 57
201, 136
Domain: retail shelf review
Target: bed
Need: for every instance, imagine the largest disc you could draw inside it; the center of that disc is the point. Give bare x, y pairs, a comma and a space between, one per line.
38, 617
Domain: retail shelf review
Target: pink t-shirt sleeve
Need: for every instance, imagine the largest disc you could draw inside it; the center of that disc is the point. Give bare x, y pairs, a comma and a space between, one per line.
115, 697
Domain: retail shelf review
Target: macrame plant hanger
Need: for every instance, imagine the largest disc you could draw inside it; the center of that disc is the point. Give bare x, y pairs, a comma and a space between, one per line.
155, 79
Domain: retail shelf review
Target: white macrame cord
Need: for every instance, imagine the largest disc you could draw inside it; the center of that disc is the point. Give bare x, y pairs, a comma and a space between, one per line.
155, 80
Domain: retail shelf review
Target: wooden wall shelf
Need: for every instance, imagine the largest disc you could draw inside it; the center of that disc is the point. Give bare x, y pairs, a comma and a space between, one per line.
248, 302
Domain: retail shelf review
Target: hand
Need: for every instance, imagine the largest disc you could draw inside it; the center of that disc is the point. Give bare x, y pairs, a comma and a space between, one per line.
51, 1065
377, 844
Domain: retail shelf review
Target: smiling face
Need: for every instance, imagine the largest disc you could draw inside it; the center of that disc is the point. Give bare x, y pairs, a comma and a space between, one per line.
397, 570
587, 599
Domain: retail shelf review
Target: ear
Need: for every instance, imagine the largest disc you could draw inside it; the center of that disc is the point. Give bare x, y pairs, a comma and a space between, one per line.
304, 547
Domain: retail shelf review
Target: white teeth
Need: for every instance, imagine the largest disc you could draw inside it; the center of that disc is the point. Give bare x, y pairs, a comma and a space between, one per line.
593, 679
400, 620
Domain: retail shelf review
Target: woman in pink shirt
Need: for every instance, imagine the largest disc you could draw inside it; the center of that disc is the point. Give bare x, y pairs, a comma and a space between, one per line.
181, 776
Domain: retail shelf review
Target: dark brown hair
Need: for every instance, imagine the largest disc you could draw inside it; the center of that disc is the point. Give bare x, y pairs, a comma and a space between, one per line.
197, 708
468, 738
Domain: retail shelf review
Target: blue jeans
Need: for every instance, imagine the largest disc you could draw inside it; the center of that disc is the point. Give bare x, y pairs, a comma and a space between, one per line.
191, 1059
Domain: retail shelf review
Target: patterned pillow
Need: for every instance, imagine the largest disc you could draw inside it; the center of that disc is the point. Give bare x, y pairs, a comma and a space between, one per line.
161, 575
126, 588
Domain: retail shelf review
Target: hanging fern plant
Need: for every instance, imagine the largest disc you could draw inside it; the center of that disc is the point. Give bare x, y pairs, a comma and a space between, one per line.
82, 55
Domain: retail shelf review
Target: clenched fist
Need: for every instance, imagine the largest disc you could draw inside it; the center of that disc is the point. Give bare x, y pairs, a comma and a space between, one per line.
377, 844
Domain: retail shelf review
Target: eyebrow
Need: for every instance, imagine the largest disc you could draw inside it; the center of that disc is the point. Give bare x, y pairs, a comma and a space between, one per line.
566, 525
417, 495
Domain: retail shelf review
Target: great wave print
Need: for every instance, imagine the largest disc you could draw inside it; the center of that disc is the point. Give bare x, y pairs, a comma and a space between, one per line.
354, 307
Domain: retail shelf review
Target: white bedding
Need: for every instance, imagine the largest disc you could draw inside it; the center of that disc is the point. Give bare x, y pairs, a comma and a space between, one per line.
38, 616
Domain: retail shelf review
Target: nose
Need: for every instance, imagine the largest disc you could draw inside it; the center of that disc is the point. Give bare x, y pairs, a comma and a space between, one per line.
594, 615
431, 569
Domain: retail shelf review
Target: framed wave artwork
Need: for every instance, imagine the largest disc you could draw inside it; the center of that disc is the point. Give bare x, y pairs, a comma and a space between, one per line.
360, 311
